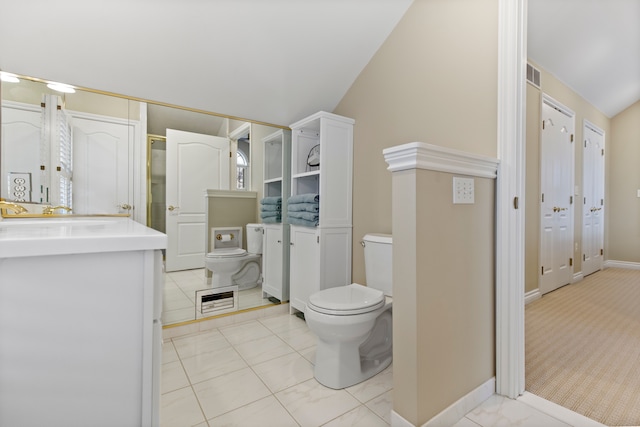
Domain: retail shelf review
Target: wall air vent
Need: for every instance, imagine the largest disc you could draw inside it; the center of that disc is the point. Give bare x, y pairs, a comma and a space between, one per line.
533, 75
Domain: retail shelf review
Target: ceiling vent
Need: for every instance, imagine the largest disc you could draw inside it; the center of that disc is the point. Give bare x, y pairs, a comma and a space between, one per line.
533, 75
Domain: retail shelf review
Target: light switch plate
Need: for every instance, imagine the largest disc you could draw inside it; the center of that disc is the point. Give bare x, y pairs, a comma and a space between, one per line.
463, 190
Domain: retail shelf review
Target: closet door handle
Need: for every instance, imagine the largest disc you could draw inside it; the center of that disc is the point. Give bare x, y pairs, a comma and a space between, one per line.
172, 208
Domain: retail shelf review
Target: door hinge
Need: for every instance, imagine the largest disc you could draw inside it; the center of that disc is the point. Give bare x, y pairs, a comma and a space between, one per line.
570, 261
42, 167
601, 251
317, 239
543, 125
585, 143
542, 197
230, 154
542, 270
571, 137
601, 202
603, 151
570, 200
584, 257
516, 202
585, 200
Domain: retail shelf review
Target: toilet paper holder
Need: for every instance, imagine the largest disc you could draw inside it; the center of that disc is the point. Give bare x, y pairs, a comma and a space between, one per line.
219, 236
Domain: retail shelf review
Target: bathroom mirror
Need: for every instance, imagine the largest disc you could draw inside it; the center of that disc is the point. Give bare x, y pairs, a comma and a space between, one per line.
118, 164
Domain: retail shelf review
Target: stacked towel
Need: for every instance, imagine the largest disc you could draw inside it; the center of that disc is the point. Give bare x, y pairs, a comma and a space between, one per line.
271, 210
303, 209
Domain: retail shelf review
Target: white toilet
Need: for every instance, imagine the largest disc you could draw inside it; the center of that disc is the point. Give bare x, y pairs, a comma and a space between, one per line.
229, 263
353, 322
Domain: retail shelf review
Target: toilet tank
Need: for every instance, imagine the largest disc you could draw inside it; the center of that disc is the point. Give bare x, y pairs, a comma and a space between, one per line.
378, 262
254, 238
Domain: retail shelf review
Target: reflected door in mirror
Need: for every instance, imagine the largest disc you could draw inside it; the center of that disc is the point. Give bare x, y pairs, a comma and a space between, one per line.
103, 172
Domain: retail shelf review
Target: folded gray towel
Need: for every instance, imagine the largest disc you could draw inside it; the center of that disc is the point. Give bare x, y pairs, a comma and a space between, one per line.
304, 207
304, 198
271, 208
271, 200
304, 222
309, 216
267, 214
272, 220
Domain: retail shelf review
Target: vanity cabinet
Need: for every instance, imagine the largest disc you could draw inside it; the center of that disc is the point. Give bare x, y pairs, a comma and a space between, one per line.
80, 307
322, 164
277, 183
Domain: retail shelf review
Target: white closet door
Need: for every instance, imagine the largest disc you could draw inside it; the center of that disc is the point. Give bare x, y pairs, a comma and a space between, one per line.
556, 186
593, 200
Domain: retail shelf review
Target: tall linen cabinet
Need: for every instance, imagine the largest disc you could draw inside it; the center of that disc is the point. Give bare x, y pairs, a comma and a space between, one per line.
277, 183
320, 257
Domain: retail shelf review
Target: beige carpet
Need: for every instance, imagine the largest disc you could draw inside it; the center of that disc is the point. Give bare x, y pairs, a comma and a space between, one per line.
583, 347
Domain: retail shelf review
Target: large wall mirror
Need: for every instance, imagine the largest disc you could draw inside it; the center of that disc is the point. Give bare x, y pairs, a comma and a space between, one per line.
89, 152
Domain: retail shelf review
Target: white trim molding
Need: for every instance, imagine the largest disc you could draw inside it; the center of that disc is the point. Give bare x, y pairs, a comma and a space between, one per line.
463, 406
622, 264
577, 277
421, 155
531, 296
510, 206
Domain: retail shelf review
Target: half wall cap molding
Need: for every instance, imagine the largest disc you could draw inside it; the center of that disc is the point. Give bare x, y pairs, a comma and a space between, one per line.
421, 155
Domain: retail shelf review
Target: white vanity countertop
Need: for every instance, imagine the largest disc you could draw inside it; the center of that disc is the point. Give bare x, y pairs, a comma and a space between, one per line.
36, 237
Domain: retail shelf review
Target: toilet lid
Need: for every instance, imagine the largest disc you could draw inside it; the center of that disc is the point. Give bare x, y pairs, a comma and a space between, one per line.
226, 253
346, 300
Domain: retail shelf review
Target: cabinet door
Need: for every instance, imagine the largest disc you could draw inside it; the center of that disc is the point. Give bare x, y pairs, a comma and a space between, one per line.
305, 266
272, 262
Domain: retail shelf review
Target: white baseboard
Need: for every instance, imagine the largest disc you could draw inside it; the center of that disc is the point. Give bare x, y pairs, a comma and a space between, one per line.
622, 264
463, 406
577, 277
531, 296
398, 421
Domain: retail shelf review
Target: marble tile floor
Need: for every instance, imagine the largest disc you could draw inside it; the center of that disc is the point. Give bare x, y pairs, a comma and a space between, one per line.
260, 373
180, 293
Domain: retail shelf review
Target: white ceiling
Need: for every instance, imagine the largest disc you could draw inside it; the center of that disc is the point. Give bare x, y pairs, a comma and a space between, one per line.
593, 46
277, 61
274, 61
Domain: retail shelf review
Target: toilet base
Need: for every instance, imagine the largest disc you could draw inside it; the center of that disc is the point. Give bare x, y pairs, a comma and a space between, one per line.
340, 364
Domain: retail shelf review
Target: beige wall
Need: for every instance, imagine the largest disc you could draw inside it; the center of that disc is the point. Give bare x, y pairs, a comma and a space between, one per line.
433, 80
562, 93
623, 205
430, 81
444, 295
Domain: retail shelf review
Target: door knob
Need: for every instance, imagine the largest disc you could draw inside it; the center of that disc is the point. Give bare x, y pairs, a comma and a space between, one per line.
125, 206
172, 208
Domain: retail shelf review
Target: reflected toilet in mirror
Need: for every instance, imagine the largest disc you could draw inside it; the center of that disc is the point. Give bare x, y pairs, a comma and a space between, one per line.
229, 263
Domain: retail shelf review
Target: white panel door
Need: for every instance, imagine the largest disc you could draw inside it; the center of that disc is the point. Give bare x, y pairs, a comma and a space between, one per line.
195, 163
556, 185
102, 166
21, 153
593, 200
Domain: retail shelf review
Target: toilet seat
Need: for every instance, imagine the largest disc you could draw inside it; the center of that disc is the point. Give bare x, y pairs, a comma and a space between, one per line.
227, 253
346, 300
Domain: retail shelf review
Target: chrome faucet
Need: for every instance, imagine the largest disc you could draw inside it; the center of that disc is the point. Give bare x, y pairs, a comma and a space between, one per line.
49, 210
13, 206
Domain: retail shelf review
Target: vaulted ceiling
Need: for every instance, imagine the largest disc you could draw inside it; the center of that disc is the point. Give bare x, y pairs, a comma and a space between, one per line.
267, 60
279, 60
593, 46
